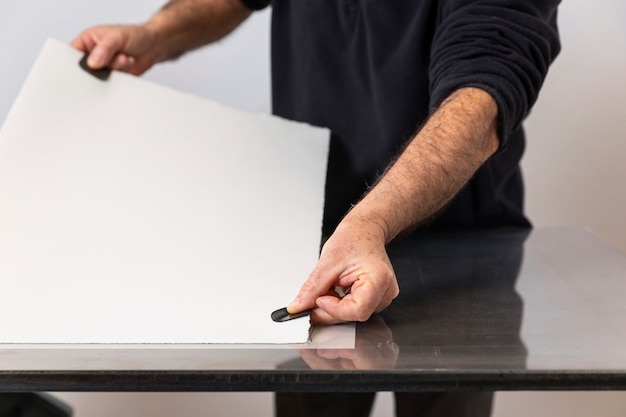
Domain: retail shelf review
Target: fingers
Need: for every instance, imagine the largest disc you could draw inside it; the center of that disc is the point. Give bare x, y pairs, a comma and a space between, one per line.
102, 43
122, 62
366, 270
107, 53
125, 48
356, 306
319, 283
85, 41
100, 57
368, 295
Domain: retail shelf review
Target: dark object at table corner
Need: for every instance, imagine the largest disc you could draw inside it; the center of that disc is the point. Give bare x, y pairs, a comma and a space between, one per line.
32, 404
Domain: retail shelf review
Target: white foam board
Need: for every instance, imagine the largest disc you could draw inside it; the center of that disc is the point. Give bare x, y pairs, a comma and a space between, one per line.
133, 213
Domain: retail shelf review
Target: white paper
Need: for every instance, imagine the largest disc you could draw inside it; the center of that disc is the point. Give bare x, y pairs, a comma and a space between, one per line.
132, 213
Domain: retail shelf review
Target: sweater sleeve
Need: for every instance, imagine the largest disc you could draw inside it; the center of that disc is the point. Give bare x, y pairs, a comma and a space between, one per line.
502, 46
256, 4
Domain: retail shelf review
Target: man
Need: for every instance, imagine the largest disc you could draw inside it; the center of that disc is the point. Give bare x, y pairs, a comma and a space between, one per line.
374, 71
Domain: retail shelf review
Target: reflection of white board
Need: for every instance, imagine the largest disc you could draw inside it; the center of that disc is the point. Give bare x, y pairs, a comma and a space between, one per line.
132, 213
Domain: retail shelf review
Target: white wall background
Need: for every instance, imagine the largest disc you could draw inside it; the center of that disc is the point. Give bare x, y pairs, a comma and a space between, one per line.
574, 166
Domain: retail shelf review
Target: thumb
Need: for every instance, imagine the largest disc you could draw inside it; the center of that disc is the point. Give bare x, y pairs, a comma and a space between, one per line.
100, 56
305, 299
319, 283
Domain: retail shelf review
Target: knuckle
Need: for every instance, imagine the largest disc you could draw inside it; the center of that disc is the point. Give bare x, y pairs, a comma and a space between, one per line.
362, 315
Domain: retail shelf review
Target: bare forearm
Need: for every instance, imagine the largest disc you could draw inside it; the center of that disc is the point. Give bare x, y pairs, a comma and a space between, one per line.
182, 25
439, 160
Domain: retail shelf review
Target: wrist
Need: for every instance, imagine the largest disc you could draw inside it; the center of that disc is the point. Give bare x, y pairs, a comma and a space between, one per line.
365, 224
161, 32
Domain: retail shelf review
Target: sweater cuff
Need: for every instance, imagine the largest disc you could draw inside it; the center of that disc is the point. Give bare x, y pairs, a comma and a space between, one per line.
504, 51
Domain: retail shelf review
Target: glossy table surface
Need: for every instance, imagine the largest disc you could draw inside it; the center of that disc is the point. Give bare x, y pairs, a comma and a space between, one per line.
492, 310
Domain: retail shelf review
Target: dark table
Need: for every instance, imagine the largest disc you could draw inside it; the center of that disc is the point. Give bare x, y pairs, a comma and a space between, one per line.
486, 311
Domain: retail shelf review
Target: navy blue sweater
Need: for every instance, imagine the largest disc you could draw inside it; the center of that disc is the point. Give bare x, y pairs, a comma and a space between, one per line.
373, 70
